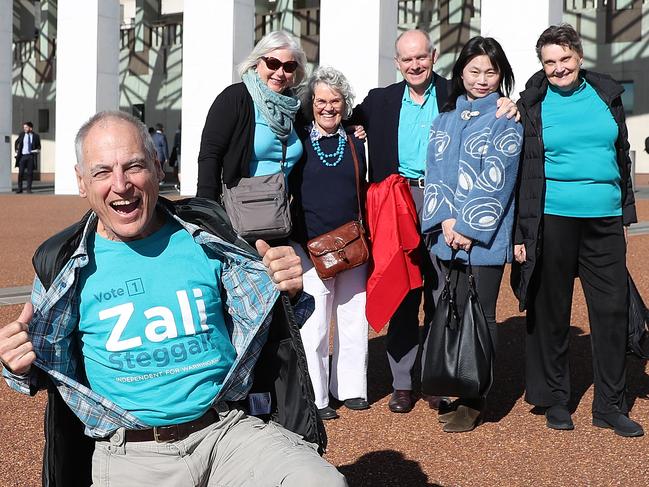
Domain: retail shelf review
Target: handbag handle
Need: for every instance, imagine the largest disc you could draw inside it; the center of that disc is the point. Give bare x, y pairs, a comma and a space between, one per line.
358, 182
469, 268
469, 272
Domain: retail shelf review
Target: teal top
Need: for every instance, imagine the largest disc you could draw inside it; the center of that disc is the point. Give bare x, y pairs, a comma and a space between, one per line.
267, 149
581, 171
415, 121
152, 328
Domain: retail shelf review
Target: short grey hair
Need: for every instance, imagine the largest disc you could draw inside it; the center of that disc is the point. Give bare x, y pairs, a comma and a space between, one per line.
562, 35
108, 115
429, 44
277, 39
335, 80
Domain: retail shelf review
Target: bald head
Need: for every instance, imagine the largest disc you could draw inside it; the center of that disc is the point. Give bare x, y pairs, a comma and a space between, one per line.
413, 37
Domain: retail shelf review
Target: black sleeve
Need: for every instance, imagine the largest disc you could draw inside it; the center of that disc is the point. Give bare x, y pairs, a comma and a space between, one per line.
217, 134
628, 205
362, 114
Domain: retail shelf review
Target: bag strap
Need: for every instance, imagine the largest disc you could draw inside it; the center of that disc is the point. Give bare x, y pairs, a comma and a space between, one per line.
469, 273
281, 164
447, 278
358, 182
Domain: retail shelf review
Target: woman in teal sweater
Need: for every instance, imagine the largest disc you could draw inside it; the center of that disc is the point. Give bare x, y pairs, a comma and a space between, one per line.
575, 198
470, 179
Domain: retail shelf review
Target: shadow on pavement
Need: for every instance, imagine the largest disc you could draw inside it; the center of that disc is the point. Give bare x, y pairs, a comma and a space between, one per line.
385, 468
379, 377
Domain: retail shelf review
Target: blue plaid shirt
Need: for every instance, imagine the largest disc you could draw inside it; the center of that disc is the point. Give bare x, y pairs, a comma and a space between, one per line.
249, 298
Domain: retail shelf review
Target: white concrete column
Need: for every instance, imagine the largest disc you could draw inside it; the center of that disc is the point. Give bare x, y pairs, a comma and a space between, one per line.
6, 149
357, 37
499, 19
87, 62
228, 24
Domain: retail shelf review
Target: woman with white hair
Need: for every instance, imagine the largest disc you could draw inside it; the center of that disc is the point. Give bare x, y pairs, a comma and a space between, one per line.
249, 128
323, 186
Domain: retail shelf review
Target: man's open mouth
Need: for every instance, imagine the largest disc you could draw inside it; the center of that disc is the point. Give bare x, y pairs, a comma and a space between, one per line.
125, 206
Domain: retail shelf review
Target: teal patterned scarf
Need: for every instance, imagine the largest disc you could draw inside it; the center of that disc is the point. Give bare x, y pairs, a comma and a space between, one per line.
278, 110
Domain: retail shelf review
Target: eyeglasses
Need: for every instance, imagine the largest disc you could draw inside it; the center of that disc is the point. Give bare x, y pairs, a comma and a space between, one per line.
274, 64
320, 103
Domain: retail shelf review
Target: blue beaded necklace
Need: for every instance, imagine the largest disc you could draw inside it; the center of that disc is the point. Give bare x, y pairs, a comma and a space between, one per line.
338, 154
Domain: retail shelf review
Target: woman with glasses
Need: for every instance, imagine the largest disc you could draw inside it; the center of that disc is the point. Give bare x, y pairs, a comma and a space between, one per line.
469, 194
249, 128
323, 185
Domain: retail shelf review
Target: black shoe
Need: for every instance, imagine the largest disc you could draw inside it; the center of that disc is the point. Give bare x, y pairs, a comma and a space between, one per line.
438, 403
401, 401
18, 191
29, 191
356, 403
618, 422
557, 417
327, 413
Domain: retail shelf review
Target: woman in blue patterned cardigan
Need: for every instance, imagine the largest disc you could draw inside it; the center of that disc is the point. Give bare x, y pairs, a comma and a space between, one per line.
470, 178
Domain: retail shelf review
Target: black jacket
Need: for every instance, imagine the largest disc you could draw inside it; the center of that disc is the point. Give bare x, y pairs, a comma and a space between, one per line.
36, 145
531, 183
227, 141
280, 369
379, 115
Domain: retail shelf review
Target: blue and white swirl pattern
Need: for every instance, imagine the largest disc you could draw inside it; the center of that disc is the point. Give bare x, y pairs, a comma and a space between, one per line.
492, 177
508, 142
482, 213
440, 141
435, 196
466, 178
477, 144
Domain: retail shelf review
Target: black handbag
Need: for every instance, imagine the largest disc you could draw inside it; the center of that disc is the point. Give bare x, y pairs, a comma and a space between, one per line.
458, 359
638, 320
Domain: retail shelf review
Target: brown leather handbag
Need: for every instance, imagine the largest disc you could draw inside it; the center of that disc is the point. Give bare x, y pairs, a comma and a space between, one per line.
344, 247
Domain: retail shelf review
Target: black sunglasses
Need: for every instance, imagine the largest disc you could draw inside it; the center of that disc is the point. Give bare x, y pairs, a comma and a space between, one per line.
274, 64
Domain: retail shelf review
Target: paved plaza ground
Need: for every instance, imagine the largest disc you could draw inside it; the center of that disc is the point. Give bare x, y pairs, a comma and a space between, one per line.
376, 447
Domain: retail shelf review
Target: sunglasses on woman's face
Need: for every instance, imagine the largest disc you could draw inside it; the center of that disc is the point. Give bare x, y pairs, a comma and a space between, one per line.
274, 64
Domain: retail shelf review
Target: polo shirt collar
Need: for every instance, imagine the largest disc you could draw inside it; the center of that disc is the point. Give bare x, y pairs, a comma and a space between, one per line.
406, 94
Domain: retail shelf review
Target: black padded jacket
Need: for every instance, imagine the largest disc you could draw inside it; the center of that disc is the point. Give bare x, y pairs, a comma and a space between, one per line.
531, 175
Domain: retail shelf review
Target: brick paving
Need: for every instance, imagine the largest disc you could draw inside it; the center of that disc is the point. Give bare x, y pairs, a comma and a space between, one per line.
376, 447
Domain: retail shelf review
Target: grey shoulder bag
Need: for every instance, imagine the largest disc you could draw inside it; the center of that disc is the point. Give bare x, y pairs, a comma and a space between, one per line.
258, 206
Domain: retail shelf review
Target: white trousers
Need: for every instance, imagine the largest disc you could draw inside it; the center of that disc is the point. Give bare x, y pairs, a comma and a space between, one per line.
343, 300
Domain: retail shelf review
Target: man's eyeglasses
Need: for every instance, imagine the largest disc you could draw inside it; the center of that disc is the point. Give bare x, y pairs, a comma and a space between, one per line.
320, 103
274, 64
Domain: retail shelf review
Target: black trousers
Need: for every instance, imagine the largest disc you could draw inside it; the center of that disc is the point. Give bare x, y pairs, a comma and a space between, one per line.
25, 166
402, 340
594, 250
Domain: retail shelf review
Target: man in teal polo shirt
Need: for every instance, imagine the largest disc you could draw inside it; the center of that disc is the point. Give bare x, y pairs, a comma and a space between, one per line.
397, 121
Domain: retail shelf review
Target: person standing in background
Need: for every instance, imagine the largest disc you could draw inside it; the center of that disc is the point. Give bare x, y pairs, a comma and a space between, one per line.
28, 145
161, 146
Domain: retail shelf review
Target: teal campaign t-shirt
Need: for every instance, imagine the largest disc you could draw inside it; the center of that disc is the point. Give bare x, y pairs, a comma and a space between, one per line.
581, 171
152, 328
